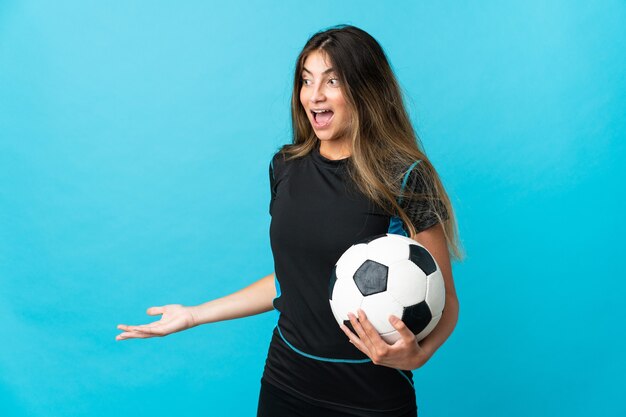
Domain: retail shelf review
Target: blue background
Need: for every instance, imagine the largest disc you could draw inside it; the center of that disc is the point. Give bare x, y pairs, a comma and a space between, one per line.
135, 139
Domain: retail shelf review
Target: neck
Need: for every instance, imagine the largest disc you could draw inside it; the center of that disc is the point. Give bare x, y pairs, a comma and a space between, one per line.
335, 149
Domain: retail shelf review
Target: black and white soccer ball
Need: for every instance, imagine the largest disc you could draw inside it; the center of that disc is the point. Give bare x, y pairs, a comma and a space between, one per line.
388, 274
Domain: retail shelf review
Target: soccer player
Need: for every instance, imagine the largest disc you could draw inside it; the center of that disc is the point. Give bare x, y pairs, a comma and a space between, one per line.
355, 168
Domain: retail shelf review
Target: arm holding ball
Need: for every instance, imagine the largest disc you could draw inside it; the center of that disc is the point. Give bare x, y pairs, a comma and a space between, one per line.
407, 353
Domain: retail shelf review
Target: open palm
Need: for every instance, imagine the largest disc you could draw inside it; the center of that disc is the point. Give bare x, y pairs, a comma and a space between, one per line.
174, 318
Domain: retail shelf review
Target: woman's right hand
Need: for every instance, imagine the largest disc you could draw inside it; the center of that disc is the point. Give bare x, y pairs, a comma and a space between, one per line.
175, 317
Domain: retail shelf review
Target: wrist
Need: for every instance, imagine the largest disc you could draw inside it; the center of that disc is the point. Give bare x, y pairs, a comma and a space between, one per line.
423, 355
196, 317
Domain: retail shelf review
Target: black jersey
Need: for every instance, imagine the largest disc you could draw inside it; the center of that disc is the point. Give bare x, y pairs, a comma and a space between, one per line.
317, 213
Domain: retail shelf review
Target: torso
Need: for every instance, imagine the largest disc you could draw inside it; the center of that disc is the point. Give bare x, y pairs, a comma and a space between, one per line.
317, 214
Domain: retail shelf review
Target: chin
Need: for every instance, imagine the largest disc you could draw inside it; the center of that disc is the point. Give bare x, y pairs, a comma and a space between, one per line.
325, 138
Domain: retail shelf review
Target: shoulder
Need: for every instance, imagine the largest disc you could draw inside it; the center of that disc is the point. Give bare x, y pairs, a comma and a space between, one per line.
412, 169
410, 173
278, 164
419, 174
277, 159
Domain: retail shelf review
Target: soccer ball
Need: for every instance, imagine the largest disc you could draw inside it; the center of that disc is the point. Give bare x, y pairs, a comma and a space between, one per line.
388, 274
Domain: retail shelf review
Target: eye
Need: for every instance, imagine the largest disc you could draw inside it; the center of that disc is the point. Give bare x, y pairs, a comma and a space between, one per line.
304, 81
334, 79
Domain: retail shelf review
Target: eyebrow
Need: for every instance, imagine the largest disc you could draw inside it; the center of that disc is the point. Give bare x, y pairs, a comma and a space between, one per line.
331, 69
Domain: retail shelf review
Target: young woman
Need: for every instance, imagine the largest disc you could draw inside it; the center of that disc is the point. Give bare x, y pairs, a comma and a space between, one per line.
354, 169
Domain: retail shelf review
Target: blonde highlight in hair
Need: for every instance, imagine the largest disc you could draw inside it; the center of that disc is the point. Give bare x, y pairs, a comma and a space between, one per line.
384, 143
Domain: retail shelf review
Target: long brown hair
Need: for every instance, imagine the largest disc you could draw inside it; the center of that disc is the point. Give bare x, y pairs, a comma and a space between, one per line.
384, 143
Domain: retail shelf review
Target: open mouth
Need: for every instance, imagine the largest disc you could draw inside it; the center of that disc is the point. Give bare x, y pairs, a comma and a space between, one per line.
322, 119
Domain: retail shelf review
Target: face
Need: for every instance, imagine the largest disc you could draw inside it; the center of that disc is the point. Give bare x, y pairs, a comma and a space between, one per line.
321, 90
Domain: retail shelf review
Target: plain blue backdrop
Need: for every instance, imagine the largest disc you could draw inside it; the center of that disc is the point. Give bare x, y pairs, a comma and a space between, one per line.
135, 139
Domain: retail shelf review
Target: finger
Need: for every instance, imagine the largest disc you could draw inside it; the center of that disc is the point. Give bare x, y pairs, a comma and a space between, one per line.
371, 332
155, 311
141, 327
351, 335
145, 328
123, 336
124, 327
354, 339
406, 333
132, 335
356, 324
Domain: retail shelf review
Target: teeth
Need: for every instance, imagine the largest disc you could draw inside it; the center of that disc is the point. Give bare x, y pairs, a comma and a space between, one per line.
319, 111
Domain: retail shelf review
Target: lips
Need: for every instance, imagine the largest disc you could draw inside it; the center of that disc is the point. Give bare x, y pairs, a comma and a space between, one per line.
322, 119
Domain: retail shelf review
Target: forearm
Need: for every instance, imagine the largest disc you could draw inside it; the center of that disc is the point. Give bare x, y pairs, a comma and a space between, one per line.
444, 328
254, 299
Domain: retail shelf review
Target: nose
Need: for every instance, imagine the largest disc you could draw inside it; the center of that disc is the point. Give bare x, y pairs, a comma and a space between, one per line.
317, 94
